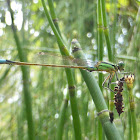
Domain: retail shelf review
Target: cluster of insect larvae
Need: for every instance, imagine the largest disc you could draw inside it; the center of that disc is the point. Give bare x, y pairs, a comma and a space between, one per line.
118, 99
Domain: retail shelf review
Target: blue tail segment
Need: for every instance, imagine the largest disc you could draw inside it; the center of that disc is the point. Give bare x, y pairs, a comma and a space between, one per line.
3, 61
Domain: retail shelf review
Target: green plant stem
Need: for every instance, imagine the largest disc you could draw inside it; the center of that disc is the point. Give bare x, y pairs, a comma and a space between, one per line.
25, 77
133, 114
108, 43
96, 94
62, 119
20, 123
100, 55
70, 79
53, 15
106, 31
129, 125
100, 40
63, 49
114, 26
134, 122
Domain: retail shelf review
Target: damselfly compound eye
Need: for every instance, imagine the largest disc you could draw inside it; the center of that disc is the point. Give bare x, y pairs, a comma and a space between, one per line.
121, 65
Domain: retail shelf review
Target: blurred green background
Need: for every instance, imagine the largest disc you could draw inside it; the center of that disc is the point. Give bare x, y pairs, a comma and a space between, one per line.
48, 86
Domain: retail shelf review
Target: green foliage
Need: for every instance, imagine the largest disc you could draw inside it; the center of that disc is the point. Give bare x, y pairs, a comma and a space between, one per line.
48, 86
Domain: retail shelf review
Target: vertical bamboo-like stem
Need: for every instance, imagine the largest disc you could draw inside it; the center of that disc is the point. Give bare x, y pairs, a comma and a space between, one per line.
100, 31
133, 114
100, 54
106, 31
114, 26
129, 82
134, 46
25, 77
129, 126
70, 79
57, 35
129, 136
96, 94
133, 117
62, 119
110, 52
53, 15
20, 122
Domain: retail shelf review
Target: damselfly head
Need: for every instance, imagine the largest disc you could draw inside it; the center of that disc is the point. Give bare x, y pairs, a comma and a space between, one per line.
121, 66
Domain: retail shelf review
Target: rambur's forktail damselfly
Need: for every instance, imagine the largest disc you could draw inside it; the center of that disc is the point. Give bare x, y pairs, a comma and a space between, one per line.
99, 66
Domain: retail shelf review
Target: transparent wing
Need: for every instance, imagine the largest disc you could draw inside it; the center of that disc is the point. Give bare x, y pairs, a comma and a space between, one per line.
57, 59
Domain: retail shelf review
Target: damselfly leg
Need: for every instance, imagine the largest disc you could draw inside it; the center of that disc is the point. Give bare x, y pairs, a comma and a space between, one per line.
109, 78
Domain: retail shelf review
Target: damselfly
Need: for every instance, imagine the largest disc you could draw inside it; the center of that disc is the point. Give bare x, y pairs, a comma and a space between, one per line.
99, 66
